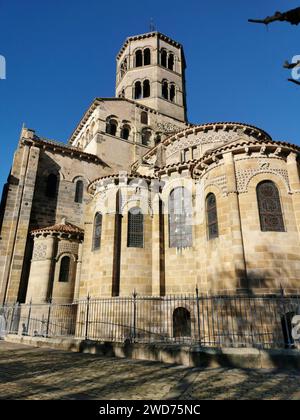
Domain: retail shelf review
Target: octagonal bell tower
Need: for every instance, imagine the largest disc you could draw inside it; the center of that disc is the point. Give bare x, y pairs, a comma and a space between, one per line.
151, 71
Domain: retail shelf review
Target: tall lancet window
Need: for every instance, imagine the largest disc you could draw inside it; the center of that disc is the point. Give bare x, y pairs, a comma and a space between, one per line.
147, 57
79, 192
137, 90
64, 269
138, 58
97, 231
180, 218
135, 237
146, 89
212, 216
269, 207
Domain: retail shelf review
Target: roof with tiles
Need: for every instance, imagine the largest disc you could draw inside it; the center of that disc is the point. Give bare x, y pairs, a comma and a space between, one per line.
63, 227
66, 148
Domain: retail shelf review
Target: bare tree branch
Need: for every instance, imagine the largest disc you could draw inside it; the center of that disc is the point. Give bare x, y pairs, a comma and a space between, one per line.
291, 16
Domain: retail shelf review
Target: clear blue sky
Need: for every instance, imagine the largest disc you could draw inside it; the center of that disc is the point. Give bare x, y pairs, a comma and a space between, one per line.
61, 54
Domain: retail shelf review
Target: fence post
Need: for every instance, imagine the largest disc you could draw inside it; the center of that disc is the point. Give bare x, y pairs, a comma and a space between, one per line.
12, 317
28, 318
286, 322
87, 316
134, 317
198, 314
49, 316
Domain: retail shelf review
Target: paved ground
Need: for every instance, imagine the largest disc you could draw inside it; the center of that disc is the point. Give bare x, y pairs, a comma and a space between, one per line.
31, 373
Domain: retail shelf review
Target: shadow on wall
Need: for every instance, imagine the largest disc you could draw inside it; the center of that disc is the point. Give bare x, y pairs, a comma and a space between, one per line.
43, 212
47, 189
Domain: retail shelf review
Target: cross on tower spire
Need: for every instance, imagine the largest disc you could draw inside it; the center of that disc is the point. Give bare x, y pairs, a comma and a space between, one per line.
152, 25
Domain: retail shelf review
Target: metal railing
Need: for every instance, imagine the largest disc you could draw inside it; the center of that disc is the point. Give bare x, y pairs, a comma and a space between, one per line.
224, 320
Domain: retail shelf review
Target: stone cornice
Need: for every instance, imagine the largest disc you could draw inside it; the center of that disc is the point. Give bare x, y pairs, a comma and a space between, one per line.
149, 35
62, 148
197, 166
118, 179
226, 126
273, 148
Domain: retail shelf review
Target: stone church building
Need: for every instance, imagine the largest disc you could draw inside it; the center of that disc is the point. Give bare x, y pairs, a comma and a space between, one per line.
141, 199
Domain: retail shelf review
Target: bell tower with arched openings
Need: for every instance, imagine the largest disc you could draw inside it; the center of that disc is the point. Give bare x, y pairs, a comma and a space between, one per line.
151, 71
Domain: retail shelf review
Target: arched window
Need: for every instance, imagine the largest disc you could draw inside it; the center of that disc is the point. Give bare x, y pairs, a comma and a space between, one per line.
147, 57
212, 216
137, 90
97, 231
180, 214
163, 58
123, 67
64, 269
171, 61
165, 90
111, 127
172, 93
157, 138
135, 236
144, 117
146, 89
181, 323
138, 58
51, 186
79, 192
146, 136
269, 207
125, 132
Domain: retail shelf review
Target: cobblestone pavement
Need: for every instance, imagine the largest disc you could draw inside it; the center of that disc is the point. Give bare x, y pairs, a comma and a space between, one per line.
32, 373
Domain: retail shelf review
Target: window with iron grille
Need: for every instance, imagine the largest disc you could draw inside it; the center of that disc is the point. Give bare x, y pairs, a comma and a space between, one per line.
180, 219
212, 216
269, 207
135, 237
64, 269
97, 231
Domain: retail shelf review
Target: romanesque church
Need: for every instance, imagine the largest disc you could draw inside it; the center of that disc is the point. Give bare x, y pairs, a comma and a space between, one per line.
142, 200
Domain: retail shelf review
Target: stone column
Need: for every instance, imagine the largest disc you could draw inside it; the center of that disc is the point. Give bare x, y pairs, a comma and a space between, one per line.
156, 286
78, 272
238, 252
41, 271
292, 167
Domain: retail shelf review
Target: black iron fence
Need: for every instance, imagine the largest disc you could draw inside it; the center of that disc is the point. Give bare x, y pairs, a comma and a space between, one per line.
210, 321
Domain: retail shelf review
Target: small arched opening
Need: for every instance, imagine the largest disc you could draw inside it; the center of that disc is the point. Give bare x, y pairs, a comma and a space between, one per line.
125, 132
171, 62
79, 191
181, 323
146, 89
111, 127
138, 58
147, 57
165, 90
172, 93
64, 271
137, 90
144, 117
163, 58
146, 136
